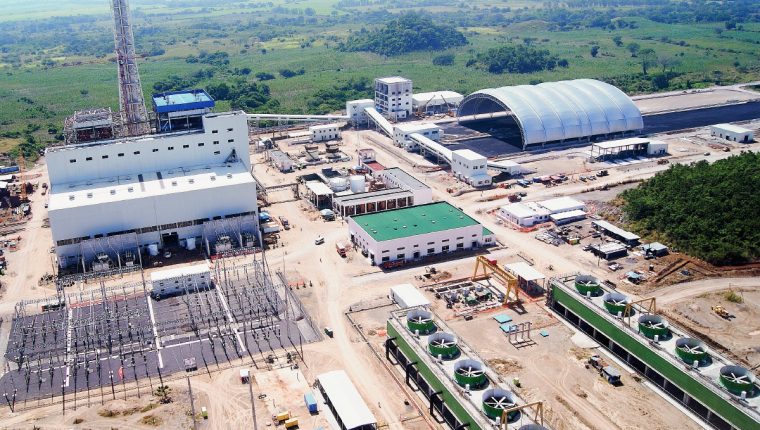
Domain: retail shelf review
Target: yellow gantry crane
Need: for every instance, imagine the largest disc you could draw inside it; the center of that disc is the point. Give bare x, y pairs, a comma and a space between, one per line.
491, 268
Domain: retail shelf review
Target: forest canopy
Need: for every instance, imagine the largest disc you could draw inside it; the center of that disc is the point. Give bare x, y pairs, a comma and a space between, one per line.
710, 211
407, 33
516, 59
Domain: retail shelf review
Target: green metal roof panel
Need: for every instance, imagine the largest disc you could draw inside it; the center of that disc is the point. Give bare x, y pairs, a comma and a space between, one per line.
413, 221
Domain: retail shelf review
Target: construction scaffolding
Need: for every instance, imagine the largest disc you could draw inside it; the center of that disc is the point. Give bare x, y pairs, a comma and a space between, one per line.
119, 339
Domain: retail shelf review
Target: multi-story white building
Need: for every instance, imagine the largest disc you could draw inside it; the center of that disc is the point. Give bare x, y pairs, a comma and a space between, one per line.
320, 133
415, 232
393, 97
176, 188
470, 167
401, 133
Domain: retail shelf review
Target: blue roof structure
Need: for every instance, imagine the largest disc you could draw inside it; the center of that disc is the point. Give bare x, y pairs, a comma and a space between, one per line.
502, 318
175, 101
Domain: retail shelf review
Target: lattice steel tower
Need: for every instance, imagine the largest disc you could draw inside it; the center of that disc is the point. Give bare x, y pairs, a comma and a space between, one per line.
131, 101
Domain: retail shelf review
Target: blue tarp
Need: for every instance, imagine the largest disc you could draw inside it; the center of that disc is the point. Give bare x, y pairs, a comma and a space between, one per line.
506, 328
502, 318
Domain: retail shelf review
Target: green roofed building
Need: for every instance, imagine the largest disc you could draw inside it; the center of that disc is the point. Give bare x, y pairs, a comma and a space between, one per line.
415, 232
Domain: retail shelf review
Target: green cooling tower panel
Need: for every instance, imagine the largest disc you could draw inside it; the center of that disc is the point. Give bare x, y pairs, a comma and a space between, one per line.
450, 400
674, 374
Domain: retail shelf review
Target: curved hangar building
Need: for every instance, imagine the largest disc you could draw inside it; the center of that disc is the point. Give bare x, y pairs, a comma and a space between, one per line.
558, 111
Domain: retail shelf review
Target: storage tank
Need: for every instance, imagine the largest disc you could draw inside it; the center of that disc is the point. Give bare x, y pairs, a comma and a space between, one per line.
691, 350
616, 303
495, 401
153, 249
420, 321
338, 184
190, 243
586, 284
737, 380
653, 325
357, 183
470, 373
443, 345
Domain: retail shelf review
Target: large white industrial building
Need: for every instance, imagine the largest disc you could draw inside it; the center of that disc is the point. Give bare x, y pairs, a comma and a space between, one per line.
190, 184
558, 111
436, 102
416, 232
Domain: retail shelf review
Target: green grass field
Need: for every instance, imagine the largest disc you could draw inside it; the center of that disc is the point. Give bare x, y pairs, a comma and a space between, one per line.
41, 81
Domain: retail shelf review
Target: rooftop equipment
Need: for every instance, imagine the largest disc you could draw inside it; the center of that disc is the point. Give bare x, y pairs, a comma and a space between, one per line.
420, 321
470, 374
616, 303
653, 325
691, 350
737, 380
587, 284
495, 401
443, 345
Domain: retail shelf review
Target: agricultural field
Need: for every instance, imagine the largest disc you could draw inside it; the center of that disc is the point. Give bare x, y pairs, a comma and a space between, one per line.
56, 57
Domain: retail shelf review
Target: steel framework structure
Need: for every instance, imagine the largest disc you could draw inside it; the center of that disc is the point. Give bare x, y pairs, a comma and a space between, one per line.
131, 100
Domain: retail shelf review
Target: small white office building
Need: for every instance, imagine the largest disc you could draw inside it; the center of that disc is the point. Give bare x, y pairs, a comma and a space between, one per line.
178, 280
732, 133
401, 133
355, 110
561, 210
408, 296
322, 132
470, 167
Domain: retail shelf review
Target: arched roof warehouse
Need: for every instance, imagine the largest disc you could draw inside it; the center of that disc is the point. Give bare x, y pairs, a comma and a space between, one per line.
557, 111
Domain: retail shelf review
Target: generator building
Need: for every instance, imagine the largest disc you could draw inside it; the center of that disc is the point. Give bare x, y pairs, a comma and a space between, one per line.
186, 183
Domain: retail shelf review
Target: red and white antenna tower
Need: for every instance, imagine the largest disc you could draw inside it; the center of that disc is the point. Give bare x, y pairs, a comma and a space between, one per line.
131, 100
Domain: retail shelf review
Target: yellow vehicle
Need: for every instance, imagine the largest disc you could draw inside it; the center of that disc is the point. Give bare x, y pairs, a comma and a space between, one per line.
721, 311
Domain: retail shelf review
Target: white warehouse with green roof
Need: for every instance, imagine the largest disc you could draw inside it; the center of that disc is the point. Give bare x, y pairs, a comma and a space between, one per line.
416, 232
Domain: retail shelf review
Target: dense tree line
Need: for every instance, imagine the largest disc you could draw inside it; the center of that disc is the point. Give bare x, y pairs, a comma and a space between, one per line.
248, 96
407, 33
516, 59
333, 99
711, 211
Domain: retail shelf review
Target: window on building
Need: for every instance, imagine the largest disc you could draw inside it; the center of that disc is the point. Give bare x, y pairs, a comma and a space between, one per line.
171, 148
214, 131
445, 248
88, 159
155, 149
401, 249
460, 245
229, 129
185, 146
431, 251
136, 153
217, 152
386, 258
201, 144
73, 160
400, 256
445, 240
431, 243
120, 154
230, 140
216, 142
104, 157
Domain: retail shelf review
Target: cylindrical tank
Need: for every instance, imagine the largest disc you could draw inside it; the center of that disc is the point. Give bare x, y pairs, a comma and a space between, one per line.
615, 303
190, 243
653, 325
496, 400
470, 373
153, 249
443, 344
420, 320
737, 379
532, 427
691, 350
338, 184
357, 183
587, 284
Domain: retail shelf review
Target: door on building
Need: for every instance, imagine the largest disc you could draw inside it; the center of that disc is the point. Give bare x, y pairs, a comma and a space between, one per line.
416, 255
474, 243
170, 239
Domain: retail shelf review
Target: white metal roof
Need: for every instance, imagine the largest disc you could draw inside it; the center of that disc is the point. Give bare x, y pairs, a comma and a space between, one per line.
346, 401
393, 80
568, 214
622, 142
627, 235
732, 128
195, 269
469, 154
562, 110
519, 210
153, 184
525, 271
6, 178
416, 127
409, 296
562, 204
436, 98
3, 185
319, 188
324, 127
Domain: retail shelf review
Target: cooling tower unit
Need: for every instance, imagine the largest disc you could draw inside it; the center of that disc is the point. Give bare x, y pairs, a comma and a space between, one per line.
653, 325
470, 373
586, 284
495, 401
443, 345
420, 321
615, 303
690, 350
737, 380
